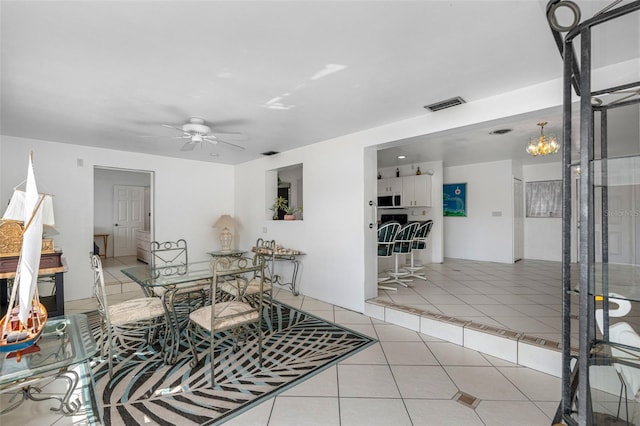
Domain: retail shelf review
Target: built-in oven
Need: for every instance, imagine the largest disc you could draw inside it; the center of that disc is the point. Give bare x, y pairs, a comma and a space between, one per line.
390, 200
400, 218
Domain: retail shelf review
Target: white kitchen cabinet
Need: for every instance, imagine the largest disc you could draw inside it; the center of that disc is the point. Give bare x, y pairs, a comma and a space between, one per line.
143, 241
416, 191
389, 186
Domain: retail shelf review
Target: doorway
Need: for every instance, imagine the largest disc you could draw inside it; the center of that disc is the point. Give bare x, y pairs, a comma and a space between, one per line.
518, 220
124, 198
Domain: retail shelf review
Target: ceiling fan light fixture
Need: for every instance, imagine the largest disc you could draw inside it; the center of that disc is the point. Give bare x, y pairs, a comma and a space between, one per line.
196, 128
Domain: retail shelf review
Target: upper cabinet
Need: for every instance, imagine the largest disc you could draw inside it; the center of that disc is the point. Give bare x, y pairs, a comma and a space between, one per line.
390, 186
416, 191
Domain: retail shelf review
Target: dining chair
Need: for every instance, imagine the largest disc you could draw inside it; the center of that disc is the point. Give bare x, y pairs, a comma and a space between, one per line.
401, 246
386, 235
171, 258
419, 242
220, 321
126, 324
234, 288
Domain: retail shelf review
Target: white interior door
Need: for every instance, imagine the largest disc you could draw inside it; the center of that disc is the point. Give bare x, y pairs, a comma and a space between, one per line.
128, 215
518, 220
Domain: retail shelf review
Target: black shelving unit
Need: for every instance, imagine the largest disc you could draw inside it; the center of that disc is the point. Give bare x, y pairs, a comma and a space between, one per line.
595, 276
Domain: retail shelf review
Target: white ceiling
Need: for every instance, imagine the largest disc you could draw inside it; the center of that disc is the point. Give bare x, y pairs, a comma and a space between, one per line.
109, 74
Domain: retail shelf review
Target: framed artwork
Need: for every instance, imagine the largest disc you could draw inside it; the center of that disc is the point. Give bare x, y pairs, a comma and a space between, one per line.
454, 199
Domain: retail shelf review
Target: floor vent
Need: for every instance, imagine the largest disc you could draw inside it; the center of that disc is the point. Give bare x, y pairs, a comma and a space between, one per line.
267, 153
466, 400
445, 104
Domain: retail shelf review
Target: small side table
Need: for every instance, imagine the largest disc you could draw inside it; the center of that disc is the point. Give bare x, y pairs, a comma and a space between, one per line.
105, 243
231, 253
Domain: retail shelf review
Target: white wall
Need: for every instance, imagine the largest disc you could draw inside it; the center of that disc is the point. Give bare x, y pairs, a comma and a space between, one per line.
542, 236
332, 232
190, 196
481, 235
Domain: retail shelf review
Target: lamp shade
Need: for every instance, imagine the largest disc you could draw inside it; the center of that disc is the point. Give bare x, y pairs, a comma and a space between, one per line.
225, 221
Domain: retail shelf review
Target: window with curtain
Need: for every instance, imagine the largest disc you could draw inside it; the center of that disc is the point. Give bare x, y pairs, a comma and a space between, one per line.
544, 198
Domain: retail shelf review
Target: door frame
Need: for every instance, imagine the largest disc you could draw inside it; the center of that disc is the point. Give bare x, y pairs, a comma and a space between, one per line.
150, 202
518, 227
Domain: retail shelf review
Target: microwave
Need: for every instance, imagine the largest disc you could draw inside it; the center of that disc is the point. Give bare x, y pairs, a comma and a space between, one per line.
390, 200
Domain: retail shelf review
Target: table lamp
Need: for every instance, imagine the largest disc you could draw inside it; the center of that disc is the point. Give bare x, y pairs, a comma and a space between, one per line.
225, 222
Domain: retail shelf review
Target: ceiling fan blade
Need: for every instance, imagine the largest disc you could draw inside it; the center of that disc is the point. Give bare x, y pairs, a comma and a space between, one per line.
173, 127
229, 122
234, 135
189, 146
231, 144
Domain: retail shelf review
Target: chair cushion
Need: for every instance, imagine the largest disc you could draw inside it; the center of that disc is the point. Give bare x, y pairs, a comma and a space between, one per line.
233, 287
227, 315
130, 311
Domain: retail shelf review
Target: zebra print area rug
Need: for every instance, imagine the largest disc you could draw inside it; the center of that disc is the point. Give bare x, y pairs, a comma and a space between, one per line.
144, 391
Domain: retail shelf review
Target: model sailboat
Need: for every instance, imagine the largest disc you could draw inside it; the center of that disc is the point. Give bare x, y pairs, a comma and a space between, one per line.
24, 321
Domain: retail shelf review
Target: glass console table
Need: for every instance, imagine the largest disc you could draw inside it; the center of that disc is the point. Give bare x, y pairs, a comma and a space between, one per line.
66, 341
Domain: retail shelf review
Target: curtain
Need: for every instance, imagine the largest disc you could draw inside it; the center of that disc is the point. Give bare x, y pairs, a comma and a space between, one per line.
544, 199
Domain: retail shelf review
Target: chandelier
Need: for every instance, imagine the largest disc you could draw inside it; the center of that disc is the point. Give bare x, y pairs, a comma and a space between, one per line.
543, 145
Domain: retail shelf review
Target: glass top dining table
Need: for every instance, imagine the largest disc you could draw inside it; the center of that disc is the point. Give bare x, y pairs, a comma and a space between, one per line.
169, 276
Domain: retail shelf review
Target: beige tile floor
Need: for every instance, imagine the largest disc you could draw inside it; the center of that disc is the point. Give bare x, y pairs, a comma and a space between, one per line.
524, 297
407, 377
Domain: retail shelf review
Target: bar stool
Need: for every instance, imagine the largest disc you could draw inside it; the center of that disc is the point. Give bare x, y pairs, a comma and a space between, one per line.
402, 245
419, 242
386, 236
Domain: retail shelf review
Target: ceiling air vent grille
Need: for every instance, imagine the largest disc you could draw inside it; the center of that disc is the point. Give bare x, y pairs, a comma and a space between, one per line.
445, 104
267, 153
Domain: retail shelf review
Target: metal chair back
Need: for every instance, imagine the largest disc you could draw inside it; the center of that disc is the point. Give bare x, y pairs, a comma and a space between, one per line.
422, 233
169, 257
386, 236
404, 238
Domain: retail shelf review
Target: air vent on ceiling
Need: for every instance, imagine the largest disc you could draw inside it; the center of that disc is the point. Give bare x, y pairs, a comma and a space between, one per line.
267, 153
500, 132
445, 104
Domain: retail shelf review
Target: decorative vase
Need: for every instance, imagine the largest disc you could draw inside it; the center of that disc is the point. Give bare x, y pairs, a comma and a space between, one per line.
418, 172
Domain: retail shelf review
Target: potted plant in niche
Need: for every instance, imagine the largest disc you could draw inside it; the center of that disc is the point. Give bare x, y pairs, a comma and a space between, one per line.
290, 212
279, 204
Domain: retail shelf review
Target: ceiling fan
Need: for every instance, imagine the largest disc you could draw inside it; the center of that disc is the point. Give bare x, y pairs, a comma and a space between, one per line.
196, 132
